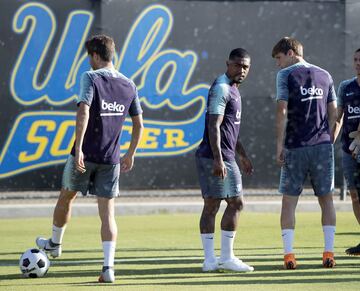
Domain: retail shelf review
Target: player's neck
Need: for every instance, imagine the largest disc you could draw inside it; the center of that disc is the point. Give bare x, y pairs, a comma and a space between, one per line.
105, 65
297, 59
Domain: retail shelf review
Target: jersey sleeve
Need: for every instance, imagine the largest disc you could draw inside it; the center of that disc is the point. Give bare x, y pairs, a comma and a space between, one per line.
86, 89
135, 107
218, 97
340, 94
282, 89
332, 93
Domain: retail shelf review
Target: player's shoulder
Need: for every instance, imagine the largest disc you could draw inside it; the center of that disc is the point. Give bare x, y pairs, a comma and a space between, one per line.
319, 70
221, 86
343, 84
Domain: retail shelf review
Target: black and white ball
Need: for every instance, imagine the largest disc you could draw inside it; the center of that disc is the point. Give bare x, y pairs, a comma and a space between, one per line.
34, 263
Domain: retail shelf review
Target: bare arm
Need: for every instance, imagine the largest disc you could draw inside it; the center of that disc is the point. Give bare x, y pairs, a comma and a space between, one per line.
281, 116
245, 163
338, 123
332, 117
127, 161
215, 121
82, 119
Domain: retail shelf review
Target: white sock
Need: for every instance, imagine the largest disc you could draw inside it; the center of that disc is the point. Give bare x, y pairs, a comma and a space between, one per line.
109, 253
288, 240
57, 234
227, 244
208, 246
329, 237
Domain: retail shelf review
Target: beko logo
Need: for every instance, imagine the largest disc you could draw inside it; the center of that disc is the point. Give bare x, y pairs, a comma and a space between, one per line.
353, 110
311, 91
314, 92
117, 109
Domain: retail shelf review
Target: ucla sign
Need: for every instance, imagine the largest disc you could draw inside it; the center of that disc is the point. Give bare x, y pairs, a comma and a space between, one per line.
43, 138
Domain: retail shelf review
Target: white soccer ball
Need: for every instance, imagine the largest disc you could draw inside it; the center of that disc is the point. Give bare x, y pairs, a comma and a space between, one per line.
34, 263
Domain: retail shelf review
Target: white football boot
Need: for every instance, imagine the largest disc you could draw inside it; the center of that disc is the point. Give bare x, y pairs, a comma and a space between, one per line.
235, 265
48, 246
107, 275
209, 266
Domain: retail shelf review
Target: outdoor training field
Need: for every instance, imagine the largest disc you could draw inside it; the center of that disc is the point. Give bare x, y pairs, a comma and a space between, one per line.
163, 252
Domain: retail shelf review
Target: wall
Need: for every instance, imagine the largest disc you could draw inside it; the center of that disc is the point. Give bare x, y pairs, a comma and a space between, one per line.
173, 50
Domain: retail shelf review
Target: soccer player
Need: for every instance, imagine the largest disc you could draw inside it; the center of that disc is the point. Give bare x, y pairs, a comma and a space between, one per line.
219, 175
306, 106
94, 165
348, 118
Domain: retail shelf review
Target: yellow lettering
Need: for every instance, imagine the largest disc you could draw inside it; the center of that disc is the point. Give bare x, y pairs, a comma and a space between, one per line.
148, 140
42, 142
126, 145
174, 138
55, 148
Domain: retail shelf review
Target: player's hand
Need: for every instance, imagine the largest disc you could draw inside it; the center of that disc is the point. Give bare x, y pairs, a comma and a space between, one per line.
246, 166
126, 163
219, 169
79, 162
280, 157
355, 144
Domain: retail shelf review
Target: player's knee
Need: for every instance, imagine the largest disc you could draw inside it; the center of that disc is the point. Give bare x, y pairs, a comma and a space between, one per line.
354, 196
211, 207
237, 203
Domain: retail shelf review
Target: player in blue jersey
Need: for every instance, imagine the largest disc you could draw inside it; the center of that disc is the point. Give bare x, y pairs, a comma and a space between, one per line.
94, 165
348, 118
305, 118
219, 174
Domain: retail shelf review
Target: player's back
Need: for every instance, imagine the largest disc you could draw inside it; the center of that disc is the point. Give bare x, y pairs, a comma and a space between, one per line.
309, 89
112, 94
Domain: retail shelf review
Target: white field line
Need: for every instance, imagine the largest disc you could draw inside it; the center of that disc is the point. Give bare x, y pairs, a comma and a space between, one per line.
81, 262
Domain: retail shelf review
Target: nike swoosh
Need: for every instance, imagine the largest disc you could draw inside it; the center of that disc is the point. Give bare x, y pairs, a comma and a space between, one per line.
348, 94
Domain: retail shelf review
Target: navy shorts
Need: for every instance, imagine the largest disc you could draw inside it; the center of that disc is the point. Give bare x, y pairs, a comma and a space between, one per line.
101, 180
351, 169
316, 161
215, 187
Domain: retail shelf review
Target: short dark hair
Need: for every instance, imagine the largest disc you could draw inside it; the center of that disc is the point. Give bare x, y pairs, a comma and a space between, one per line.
102, 45
358, 50
239, 53
288, 43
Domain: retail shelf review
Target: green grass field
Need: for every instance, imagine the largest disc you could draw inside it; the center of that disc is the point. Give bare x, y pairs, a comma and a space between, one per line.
163, 252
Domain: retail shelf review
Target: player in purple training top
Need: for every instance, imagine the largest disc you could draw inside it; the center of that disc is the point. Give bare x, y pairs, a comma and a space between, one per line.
94, 165
348, 118
305, 118
219, 175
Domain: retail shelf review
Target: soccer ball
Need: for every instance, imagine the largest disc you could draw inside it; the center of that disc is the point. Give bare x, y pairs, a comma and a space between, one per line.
34, 263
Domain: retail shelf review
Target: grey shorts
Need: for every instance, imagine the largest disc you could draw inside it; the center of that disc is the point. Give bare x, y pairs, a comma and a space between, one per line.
99, 179
316, 161
215, 187
351, 170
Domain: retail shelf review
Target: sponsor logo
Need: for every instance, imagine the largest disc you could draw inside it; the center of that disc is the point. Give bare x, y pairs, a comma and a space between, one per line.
238, 116
349, 94
353, 110
117, 109
314, 91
